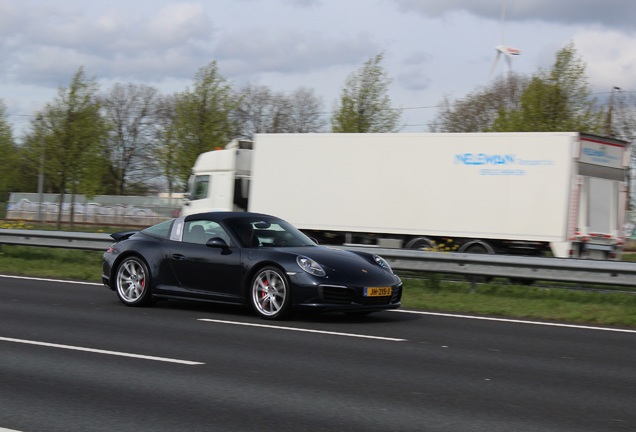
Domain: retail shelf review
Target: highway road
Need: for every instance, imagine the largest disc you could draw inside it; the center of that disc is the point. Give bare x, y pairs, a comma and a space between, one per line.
73, 358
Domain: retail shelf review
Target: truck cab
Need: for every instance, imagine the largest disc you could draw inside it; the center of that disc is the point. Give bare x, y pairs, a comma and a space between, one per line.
220, 180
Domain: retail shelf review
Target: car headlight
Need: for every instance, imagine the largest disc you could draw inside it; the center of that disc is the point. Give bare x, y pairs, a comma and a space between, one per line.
382, 263
310, 266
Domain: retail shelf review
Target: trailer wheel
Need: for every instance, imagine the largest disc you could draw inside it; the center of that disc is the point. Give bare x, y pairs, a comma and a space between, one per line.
421, 243
478, 248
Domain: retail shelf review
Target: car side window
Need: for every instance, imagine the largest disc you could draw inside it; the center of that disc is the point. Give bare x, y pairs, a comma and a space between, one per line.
161, 230
200, 231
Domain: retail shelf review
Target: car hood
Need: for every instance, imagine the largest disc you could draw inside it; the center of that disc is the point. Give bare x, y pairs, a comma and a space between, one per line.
341, 263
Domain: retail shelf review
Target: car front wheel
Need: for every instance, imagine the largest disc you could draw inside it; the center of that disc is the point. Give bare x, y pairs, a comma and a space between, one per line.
270, 293
133, 282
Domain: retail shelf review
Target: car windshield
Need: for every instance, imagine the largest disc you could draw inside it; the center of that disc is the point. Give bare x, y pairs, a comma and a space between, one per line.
267, 232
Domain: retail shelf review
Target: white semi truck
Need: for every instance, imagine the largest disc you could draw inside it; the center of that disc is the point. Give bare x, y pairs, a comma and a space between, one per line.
563, 194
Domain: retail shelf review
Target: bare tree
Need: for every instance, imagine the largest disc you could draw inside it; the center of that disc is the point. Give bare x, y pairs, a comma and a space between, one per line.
130, 110
306, 111
621, 121
8, 151
261, 110
478, 110
254, 110
167, 144
621, 115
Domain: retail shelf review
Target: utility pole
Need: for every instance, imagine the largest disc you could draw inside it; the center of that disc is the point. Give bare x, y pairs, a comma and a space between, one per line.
41, 173
608, 125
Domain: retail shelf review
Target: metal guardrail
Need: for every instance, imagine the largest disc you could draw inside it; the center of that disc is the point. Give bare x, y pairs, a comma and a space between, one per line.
513, 267
57, 239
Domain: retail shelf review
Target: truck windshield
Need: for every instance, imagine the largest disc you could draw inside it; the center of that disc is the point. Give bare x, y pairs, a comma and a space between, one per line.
198, 187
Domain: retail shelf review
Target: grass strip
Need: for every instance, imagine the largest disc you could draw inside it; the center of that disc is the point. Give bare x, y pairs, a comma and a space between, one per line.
51, 262
527, 302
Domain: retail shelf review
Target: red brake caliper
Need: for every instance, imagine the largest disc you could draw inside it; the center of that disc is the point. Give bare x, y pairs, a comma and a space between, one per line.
266, 284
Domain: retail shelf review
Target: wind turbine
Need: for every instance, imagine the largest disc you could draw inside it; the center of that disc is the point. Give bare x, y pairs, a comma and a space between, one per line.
502, 49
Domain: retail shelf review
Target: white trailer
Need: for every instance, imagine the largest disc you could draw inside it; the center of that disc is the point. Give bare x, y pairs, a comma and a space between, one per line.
525, 193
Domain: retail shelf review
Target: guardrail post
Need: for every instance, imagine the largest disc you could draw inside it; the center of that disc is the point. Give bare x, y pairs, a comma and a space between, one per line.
473, 284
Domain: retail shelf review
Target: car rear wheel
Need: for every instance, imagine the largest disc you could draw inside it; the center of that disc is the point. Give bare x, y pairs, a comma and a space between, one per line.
133, 282
270, 294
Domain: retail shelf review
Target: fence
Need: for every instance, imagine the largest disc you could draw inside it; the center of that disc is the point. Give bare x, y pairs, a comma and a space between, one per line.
101, 209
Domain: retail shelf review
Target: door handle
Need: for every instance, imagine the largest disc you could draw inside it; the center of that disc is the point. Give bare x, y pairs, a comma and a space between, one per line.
178, 257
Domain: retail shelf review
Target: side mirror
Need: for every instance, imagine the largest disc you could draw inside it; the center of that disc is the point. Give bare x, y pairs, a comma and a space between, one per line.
217, 242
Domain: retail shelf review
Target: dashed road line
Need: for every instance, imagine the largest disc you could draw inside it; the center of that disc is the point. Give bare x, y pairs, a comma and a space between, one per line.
516, 321
361, 336
100, 351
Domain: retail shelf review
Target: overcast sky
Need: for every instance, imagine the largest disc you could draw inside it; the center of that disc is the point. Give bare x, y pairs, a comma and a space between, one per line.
432, 48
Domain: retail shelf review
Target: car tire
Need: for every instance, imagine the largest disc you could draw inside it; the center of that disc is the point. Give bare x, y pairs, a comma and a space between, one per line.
132, 282
270, 293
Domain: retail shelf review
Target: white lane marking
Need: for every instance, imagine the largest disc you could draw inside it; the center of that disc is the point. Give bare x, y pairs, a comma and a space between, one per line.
7, 430
99, 351
51, 280
302, 330
610, 329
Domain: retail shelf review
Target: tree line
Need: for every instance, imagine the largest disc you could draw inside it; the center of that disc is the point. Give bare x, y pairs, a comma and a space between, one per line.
558, 99
132, 140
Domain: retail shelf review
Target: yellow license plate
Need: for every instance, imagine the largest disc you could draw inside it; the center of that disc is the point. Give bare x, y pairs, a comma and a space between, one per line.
378, 291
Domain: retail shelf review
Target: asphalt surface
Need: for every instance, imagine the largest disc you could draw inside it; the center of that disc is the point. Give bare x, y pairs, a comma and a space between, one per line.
73, 358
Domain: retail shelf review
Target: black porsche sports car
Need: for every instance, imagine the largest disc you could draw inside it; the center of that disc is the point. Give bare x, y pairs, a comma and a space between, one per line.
246, 258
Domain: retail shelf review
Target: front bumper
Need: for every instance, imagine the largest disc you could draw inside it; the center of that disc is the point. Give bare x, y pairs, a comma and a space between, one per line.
340, 298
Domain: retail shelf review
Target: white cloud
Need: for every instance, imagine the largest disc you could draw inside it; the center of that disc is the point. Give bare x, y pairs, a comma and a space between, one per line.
610, 58
432, 47
288, 52
609, 13
177, 24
